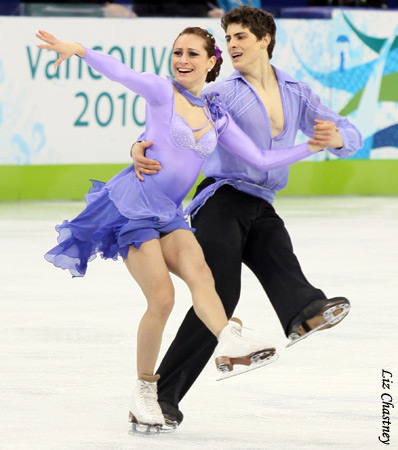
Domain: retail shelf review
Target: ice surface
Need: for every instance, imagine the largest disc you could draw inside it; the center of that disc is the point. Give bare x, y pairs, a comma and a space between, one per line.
67, 346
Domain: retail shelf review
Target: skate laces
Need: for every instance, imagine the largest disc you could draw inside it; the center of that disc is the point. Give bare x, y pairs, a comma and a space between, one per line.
237, 331
149, 398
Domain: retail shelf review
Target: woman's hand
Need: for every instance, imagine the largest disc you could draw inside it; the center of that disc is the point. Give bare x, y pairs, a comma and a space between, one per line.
315, 148
141, 163
64, 49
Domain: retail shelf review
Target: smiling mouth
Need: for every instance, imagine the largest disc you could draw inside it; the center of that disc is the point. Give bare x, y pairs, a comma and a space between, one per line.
236, 55
184, 70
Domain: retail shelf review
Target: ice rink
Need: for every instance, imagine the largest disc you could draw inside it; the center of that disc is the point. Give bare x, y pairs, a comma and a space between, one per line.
67, 364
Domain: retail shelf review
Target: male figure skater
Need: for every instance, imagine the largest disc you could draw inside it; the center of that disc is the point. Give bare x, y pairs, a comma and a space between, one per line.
232, 209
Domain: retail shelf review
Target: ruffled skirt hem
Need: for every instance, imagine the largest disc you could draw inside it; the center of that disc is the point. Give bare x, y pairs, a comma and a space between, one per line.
101, 229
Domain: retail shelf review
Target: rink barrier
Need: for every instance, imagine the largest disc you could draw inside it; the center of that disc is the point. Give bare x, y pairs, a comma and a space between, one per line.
336, 177
85, 127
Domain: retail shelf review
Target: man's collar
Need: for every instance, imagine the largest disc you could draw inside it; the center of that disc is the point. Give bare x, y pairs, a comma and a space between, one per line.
234, 75
281, 76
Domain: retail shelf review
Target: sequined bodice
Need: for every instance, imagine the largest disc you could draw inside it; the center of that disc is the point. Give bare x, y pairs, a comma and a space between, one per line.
183, 136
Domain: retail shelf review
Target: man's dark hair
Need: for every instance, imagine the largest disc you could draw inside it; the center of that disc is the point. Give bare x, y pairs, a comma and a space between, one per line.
259, 22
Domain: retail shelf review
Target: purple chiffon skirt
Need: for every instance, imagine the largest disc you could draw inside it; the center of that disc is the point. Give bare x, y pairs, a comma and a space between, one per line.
108, 226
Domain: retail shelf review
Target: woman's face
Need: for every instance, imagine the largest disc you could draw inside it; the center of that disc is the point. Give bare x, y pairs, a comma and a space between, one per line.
190, 62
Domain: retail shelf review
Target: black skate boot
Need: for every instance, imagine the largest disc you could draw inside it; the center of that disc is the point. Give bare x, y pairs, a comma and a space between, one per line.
172, 417
318, 315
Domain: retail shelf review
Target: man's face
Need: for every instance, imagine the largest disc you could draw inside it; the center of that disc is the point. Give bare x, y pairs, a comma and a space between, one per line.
243, 47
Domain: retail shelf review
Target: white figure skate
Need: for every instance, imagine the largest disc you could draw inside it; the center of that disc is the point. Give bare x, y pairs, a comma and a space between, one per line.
145, 413
318, 315
235, 349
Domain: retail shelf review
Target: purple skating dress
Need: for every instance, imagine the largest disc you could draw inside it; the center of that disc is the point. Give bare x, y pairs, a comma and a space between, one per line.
126, 211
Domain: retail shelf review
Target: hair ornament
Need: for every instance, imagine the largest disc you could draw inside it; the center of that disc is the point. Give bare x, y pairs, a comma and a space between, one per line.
218, 53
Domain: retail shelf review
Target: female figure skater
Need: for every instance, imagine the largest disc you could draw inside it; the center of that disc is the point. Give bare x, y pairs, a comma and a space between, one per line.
144, 223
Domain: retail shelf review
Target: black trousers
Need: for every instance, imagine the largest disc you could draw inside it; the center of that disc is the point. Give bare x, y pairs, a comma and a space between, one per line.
234, 227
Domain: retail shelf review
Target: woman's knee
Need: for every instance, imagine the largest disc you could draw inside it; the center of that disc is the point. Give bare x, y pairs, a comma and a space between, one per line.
161, 303
202, 275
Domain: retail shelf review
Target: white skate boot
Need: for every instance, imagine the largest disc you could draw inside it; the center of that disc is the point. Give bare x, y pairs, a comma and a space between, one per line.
233, 348
145, 413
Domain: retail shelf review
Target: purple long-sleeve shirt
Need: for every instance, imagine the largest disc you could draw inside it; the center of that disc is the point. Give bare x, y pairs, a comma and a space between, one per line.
301, 106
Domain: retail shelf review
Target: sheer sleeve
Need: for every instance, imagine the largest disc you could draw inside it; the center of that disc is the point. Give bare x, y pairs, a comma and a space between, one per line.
154, 89
313, 108
239, 144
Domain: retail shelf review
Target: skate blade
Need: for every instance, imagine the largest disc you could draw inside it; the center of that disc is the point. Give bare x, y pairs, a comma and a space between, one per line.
330, 321
143, 429
169, 427
139, 429
253, 366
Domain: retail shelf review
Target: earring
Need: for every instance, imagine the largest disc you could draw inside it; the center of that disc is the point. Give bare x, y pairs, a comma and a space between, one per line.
209, 70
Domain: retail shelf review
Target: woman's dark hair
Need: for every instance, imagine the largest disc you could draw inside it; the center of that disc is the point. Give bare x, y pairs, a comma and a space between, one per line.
259, 22
210, 47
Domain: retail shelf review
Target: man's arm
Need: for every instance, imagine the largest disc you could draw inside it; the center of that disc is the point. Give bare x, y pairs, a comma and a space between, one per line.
346, 142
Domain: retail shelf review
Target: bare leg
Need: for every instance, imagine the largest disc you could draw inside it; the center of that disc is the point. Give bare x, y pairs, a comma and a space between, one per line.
185, 258
148, 268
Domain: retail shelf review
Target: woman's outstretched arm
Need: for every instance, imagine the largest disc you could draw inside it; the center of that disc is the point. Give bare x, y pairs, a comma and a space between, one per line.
153, 88
240, 144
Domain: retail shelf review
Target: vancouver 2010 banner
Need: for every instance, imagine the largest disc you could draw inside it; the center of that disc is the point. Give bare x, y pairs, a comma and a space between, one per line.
75, 116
